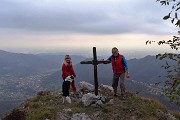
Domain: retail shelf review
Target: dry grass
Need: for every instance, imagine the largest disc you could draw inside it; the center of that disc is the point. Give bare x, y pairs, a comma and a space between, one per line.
134, 107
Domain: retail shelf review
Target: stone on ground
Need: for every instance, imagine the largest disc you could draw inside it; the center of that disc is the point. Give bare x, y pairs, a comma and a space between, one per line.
86, 86
89, 99
80, 116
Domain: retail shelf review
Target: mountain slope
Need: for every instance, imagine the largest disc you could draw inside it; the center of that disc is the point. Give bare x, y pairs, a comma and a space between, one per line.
20, 65
21, 75
49, 106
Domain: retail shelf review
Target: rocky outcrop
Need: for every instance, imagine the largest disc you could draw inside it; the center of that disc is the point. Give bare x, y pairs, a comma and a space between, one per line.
85, 86
106, 88
93, 100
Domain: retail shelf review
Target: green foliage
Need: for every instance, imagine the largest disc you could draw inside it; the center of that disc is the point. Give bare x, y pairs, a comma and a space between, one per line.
166, 17
173, 44
173, 14
172, 84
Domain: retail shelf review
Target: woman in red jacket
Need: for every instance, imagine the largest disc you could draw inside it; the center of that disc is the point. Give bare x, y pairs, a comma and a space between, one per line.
68, 76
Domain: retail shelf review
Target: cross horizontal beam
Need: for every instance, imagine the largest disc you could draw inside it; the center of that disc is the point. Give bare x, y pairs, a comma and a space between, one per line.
96, 62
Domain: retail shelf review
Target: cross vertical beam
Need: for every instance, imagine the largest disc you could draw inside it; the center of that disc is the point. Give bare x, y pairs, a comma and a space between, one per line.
95, 63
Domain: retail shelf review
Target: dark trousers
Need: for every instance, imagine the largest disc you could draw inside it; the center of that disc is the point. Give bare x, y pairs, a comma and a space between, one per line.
65, 88
116, 78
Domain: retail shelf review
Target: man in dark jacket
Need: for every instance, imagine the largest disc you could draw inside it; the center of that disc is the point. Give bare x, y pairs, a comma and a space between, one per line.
120, 68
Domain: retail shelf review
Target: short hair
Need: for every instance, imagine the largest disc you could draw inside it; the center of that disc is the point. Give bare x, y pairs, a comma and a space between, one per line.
114, 48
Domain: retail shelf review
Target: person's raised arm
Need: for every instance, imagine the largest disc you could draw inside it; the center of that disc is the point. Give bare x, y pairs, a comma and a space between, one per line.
109, 58
125, 63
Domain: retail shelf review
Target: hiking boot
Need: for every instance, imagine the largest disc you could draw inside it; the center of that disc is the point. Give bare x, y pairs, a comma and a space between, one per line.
68, 99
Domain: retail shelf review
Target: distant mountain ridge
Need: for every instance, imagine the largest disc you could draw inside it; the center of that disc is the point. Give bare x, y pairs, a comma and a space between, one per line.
23, 75
147, 69
19, 64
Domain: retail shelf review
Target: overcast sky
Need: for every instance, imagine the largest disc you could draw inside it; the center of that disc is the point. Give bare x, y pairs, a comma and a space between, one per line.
75, 26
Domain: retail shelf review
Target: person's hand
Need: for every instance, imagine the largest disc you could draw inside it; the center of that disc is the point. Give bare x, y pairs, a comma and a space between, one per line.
72, 77
68, 78
127, 74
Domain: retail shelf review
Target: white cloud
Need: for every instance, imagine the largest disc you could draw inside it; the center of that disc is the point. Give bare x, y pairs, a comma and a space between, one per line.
84, 16
78, 25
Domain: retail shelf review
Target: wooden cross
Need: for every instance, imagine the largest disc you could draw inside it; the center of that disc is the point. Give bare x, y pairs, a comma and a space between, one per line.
95, 62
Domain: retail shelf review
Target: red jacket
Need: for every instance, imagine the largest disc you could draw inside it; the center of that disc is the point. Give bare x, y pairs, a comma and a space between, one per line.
117, 64
67, 71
